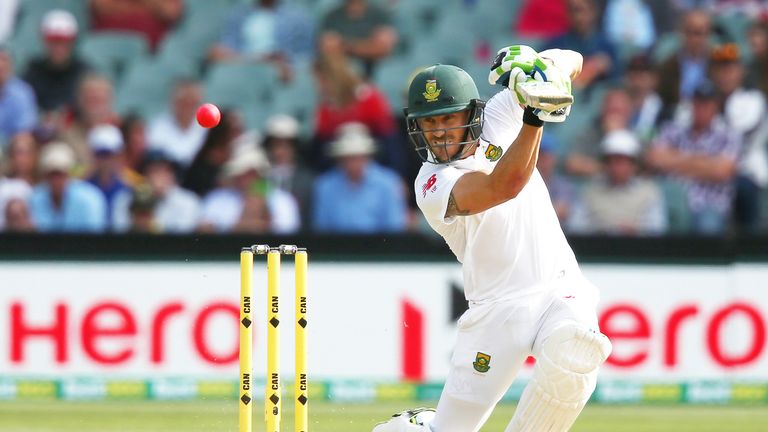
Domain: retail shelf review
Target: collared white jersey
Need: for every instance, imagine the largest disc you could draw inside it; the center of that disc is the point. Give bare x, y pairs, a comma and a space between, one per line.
509, 250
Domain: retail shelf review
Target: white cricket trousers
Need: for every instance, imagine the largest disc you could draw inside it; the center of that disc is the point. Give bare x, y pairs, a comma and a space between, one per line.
494, 340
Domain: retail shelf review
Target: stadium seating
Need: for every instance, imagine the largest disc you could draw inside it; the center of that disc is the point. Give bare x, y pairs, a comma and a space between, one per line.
240, 84
146, 87
112, 52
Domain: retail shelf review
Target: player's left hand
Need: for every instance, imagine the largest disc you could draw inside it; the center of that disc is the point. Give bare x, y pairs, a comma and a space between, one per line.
514, 56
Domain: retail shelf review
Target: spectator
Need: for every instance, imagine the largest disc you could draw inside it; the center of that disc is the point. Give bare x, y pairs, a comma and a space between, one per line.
757, 74
150, 18
7, 18
587, 37
174, 210
12, 189
288, 172
682, 72
106, 144
584, 157
268, 30
176, 132
17, 217
95, 106
18, 111
22, 159
345, 98
619, 202
702, 157
744, 110
142, 210
134, 134
64, 204
358, 29
641, 83
629, 24
246, 202
358, 195
561, 190
54, 75
202, 175
542, 20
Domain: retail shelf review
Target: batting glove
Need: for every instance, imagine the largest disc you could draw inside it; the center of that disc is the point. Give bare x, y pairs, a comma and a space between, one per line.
546, 87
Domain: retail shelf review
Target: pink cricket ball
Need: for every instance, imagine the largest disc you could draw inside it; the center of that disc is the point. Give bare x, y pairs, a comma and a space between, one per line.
208, 115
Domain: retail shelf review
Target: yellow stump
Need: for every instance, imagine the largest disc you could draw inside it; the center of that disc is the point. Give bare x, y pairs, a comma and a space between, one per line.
273, 392
300, 393
246, 340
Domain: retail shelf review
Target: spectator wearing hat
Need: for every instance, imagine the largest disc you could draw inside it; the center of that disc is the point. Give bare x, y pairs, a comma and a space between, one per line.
744, 110
561, 190
55, 74
61, 203
641, 82
702, 158
18, 110
176, 132
246, 202
618, 202
141, 210
106, 143
288, 172
174, 210
358, 195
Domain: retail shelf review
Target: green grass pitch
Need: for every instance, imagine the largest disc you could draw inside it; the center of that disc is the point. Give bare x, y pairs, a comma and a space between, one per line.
214, 416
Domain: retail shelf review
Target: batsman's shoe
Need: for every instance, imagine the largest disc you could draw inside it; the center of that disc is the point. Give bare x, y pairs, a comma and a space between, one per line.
415, 420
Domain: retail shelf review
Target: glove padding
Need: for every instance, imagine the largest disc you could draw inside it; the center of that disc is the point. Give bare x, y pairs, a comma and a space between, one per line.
536, 84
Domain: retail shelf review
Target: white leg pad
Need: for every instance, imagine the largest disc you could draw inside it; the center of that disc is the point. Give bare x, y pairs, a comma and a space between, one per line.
564, 378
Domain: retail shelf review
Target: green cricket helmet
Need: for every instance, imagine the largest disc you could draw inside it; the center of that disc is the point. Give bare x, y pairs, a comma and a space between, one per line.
439, 90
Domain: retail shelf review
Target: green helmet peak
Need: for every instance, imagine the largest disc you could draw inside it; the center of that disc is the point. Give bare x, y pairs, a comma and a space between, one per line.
439, 90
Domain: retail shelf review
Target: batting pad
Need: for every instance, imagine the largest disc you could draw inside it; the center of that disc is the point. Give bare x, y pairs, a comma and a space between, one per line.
564, 378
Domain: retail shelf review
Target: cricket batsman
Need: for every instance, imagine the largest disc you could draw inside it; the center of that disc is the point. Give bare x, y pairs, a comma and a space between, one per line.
479, 188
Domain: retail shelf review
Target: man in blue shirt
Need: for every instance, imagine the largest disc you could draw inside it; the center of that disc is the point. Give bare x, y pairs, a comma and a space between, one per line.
63, 204
18, 108
358, 195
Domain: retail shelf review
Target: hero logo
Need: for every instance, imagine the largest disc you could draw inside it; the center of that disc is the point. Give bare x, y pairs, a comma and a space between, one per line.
430, 185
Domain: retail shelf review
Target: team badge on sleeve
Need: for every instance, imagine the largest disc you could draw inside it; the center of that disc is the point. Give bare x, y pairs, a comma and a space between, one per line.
493, 153
432, 92
482, 362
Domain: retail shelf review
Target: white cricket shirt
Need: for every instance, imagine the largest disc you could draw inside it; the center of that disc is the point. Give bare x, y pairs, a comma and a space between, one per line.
512, 249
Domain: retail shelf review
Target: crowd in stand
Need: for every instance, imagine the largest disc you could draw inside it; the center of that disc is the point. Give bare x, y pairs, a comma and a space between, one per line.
668, 134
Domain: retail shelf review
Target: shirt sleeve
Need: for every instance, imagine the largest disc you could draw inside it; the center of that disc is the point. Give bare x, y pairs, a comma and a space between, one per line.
503, 119
433, 189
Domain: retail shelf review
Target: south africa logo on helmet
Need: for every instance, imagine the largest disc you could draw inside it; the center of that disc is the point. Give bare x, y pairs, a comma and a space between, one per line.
432, 92
482, 362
